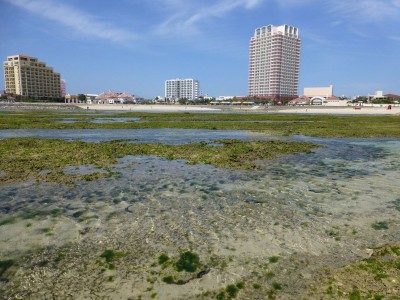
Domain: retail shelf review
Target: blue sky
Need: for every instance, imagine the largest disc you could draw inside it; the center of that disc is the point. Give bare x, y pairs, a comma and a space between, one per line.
134, 46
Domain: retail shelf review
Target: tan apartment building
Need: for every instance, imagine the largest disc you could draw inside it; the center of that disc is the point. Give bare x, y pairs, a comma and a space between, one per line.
274, 62
27, 76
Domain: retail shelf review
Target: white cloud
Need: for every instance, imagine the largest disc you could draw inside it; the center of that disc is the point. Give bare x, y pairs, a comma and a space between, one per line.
336, 23
366, 10
316, 39
361, 33
81, 22
395, 38
291, 3
184, 21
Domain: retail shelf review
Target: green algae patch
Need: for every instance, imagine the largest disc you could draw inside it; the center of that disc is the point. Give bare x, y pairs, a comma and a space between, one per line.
7, 221
380, 225
188, 261
375, 277
108, 258
182, 270
110, 255
163, 258
45, 159
279, 124
5, 265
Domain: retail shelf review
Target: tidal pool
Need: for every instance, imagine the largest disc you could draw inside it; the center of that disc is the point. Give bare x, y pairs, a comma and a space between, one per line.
269, 230
164, 136
101, 120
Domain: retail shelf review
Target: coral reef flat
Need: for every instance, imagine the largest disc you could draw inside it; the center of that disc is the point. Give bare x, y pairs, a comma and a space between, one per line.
320, 222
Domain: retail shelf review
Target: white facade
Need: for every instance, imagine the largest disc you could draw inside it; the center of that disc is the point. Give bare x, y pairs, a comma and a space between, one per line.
176, 89
325, 92
274, 62
223, 98
377, 95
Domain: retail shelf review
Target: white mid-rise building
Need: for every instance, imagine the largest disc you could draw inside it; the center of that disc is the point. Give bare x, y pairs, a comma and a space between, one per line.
176, 89
274, 62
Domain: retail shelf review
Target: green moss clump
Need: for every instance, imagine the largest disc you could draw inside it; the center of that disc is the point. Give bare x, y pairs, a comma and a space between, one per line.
355, 295
169, 279
380, 226
60, 256
240, 285
78, 214
7, 221
188, 261
232, 291
273, 259
276, 286
395, 250
47, 230
110, 255
5, 265
270, 274
329, 291
163, 258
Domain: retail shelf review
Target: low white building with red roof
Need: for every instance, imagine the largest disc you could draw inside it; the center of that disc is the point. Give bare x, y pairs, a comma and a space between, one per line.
111, 97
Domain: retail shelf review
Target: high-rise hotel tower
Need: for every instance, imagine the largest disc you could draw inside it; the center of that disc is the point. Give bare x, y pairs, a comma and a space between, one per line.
274, 62
27, 76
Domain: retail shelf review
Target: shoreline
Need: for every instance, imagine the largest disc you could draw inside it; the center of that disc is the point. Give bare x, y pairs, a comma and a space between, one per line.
332, 110
149, 107
337, 110
347, 110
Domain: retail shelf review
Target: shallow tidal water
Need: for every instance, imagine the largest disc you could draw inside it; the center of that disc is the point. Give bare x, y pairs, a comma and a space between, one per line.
165, 136
313, 211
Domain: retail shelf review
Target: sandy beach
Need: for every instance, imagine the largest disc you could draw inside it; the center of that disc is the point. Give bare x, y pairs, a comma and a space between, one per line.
304, 225
274, 109
335, 110
348, 110
155, 107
